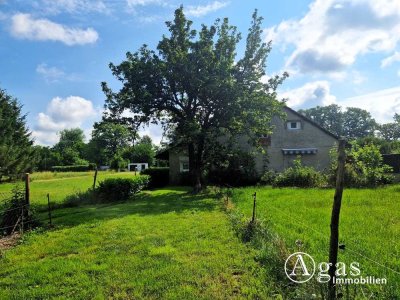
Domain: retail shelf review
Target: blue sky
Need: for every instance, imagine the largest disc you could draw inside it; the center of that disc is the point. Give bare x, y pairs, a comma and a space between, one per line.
55, 53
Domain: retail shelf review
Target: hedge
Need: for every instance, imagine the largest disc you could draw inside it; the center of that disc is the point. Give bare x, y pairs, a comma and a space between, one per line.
74, 168
159, 177
120, 189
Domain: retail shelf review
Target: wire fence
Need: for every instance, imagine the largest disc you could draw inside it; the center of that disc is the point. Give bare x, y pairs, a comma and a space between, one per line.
348, 244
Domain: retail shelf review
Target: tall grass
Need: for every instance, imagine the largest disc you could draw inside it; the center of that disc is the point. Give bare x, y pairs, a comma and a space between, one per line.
369, 227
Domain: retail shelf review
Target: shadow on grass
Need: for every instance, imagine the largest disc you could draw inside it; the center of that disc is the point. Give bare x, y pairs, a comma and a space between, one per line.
162, 201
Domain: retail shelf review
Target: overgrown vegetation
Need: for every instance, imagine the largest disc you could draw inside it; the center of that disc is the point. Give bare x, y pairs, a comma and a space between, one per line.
109, 190
159, 177
300, 176
301, 217
364, 167
232, 167
15, 214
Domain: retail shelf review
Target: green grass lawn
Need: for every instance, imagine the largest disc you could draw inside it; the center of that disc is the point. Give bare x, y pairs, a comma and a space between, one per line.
58, 185
369, 224
165, 244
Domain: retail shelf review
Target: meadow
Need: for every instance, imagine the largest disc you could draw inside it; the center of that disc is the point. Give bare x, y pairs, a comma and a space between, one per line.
171, 244
369, 226
164, 244
58, 185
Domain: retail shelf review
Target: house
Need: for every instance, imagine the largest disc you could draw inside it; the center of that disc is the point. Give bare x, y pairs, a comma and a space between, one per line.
137, 167
292, 137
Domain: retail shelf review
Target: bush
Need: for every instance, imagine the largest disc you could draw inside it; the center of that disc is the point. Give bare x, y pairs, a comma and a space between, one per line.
118, 162
120, 189
15, 213
159, 177
74, 168
364, 167
268, 178
238, 169
299, 176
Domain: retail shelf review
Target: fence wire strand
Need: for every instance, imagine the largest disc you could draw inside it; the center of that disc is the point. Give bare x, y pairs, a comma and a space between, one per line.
296, 221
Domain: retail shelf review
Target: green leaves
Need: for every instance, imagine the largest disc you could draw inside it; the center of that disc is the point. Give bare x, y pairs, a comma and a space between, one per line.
195, 88
16, 142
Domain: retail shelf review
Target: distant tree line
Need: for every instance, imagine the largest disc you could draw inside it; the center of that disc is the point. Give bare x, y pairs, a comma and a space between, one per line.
357, 124
111, 145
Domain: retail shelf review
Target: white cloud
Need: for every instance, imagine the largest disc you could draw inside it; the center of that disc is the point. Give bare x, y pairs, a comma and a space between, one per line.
133, 3
381, 104
309, 95
390, 60
153, 131
334, 33
61, 114
50, 74
24, 26
73, 6
54, 74
202, 10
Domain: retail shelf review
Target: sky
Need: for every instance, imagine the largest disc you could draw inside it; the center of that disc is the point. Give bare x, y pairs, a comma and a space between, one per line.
55, 53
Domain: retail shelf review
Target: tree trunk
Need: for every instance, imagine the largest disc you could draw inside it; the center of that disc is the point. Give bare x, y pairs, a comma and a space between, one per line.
196, 164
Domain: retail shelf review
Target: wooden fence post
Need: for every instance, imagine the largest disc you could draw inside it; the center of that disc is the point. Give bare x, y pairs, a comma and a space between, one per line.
95, 178
337, 202
254, 207
27, 189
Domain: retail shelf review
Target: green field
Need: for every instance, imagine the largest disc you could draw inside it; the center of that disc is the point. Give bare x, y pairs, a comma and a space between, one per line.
165, 244
58, 185
171, 244
369, 225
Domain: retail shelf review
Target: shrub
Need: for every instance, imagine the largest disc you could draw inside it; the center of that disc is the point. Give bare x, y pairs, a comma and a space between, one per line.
15, 213
299, 176
268, 178
118, 162
79, 198
159, 177
364, 167
120, 189
238, 169
74, 168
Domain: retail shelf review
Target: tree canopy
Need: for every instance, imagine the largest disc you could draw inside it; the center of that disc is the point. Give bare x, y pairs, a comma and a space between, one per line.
71, 146
15, 144
351, 122
197, 88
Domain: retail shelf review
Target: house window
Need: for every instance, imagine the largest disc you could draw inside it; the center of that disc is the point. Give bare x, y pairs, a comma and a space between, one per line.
294, 125
184, 166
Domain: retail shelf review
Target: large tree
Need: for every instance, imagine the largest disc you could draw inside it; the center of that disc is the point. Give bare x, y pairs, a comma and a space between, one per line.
15, 143
329, 117
71, 146
196, 86
110, 139
351, 122
391, 131
358, 123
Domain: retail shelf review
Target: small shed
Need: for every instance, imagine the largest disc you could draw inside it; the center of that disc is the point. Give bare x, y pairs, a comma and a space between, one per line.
138, 167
